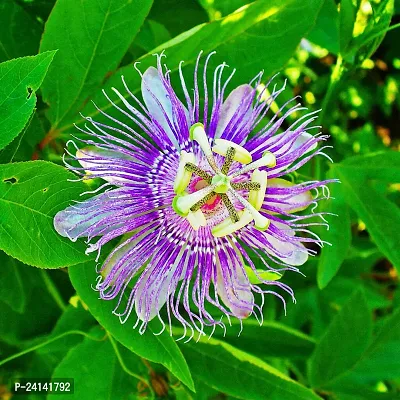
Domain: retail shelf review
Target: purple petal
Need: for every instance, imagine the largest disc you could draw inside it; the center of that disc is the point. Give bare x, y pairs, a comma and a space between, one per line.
234, 104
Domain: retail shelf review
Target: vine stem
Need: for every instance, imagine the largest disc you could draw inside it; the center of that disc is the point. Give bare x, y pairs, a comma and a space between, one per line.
335, 79
45, 343
52, 288
126, 369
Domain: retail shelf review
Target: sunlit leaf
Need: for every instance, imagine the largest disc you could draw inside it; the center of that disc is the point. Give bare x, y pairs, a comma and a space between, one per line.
226, 368
255, 26
19, 80
99, 33
158, 348
349, 335
31, 193
19, 32
338, 235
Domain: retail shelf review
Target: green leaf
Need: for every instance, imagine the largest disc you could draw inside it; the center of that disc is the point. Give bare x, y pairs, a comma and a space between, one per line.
221, 8
96, 372
364, 45
351, 391
19, 32
23, 146
339, 235
347, 19
326, 30
73, 318
11, 283
178, 16
92, 37
31, 193
239, 374
157, 348
269, 28
384, 166
18, 327
381, 216
271, 339
151, 35
19, 79
381, 360
343, 343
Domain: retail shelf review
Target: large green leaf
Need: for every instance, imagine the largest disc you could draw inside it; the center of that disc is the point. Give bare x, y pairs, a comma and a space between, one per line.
326, 30
92, 37
351, 391
158, 348
271, 339
23, 146
239, 374
270, 29
343, 343
178, 15
383, 166
72, 319
31, 193
11, 283
364, 45
38, 316
338, 235
381, 360
96, 372
381, 216
348, 15
19, 79
19, 32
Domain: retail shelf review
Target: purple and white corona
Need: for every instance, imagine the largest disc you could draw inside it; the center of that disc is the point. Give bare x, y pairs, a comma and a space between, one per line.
196, 189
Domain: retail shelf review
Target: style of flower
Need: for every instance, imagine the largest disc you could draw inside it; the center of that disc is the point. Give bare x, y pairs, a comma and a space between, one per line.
194, 187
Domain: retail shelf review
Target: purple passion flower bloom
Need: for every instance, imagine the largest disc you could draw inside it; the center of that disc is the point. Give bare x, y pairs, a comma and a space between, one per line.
195, 187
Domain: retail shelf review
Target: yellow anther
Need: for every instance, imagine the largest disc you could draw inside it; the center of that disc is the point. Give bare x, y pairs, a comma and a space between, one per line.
222, 183
256, 197
196, 219
260, 222
267, 160
183, 203
183, 176
241, 154
227, 227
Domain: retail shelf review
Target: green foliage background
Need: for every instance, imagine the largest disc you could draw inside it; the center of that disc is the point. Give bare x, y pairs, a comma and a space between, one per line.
342, 338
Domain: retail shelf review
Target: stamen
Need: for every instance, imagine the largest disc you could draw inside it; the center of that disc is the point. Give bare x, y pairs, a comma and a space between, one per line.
203, 201
199, 172
230, 154
196, 219
256, 197
226, 227
246, 186
198, 134
260, 222
183, 203
222, 183
230, 207
183, 175
267, 160
241, 154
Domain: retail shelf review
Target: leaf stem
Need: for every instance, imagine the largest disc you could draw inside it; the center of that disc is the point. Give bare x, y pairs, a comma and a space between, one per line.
336, 76
52, 288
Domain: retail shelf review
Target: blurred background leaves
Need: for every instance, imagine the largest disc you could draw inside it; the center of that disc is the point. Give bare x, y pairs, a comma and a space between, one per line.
342, 338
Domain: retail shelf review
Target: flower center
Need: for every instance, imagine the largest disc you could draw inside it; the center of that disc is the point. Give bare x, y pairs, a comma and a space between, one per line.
210, 188
213, 202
